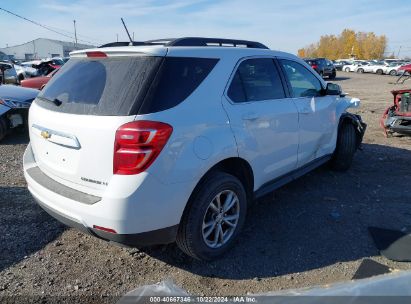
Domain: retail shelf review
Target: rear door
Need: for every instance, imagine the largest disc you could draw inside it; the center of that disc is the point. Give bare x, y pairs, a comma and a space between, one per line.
74, 119
264, 121
317, 115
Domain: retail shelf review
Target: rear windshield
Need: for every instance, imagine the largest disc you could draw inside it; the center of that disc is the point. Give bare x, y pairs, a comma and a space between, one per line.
108, 86
123, 86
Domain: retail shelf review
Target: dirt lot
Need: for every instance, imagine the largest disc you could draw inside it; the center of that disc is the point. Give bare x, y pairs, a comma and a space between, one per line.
312, 231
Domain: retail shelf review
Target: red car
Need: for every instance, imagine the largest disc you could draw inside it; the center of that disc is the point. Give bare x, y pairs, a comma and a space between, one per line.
38, 82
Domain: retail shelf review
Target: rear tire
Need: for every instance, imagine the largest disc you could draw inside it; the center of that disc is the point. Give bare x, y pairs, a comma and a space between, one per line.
345, 149
379, 72
360, 71
347, 70
333, 75
393, 73
4, 127
194, 237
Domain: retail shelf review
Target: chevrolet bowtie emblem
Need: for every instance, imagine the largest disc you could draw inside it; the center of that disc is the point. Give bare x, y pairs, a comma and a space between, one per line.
45, 134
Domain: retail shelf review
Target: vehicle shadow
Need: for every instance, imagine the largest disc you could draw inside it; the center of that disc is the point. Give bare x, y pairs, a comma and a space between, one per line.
316, 221
339, 78
16, 138
25, 228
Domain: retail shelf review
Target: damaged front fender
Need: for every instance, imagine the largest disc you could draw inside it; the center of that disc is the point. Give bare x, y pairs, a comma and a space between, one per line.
347, 117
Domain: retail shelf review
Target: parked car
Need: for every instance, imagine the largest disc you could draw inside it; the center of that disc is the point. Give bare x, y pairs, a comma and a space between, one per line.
322, 66
14, 104
339, 65
352, 67
371, 67
392, 68
172, 140
8, 74
38, 82
21, 72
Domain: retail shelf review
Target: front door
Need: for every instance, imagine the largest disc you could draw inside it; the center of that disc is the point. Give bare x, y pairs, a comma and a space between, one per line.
317, 112
263, 120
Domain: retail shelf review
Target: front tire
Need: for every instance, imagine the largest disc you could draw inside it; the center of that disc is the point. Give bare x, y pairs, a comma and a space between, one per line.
393, 73
345, 149
347, 70
379, 72
360, 71
214, 217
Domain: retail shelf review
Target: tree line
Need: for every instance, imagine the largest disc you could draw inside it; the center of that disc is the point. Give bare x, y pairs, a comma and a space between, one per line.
348, 44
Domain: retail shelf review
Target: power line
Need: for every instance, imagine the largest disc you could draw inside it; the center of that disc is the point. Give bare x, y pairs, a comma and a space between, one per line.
41, 25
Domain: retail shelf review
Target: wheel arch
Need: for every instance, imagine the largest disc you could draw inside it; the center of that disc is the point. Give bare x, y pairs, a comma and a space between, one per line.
235, 166
356, 121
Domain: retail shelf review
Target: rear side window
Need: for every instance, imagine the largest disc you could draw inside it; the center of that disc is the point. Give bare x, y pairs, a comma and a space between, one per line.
177, 78
256, 80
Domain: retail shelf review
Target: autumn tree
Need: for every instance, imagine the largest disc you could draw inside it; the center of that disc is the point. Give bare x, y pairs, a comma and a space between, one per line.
349, 43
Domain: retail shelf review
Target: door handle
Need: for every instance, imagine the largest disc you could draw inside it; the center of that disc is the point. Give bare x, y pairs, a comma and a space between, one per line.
250, 116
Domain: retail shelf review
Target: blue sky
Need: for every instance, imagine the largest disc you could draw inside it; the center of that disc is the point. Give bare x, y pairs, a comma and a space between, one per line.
282, 24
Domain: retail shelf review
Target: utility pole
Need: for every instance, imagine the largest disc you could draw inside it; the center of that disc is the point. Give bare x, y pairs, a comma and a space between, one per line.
117, 37
75, 34
399, 50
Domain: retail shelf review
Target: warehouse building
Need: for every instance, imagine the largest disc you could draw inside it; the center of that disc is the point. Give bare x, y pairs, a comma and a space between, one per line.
42, 48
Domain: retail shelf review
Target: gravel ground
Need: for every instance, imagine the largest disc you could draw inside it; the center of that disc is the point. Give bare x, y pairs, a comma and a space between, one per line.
312, 231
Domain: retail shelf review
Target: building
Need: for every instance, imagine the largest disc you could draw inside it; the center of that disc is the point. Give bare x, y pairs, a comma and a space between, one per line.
42, 48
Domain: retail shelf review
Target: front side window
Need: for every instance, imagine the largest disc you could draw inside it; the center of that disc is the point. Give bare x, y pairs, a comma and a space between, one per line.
303, 82
256, 80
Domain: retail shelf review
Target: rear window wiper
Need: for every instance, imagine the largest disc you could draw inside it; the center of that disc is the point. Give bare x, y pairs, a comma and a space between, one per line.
54, 101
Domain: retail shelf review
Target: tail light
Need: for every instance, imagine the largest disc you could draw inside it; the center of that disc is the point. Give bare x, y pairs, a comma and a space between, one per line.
96, 54
138, 144
314, 66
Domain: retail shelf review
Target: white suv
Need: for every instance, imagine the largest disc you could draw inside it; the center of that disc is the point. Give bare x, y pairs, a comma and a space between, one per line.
170, 141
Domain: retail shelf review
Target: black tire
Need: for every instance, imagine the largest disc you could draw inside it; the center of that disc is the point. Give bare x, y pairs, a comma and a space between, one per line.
379, 72
345, 149
333, 75
190, 235
4, 127
393, 73
347, 70
360, 71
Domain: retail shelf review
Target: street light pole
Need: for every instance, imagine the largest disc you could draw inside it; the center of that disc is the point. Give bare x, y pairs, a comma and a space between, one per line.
75, 33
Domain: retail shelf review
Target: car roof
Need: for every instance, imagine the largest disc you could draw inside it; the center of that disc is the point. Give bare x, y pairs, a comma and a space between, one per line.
183, 51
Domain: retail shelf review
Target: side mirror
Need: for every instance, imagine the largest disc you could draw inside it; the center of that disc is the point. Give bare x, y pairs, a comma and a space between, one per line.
333, 89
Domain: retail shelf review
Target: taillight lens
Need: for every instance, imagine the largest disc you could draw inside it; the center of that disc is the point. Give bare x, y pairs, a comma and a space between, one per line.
314, 66
138, 144
96, 54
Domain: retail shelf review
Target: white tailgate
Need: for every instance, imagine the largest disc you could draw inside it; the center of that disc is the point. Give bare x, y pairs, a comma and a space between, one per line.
75, 150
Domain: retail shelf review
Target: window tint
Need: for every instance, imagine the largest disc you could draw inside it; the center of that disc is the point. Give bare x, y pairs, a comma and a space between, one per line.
303, 82
236, 90
93, 75
176, 79
108, 86
255, 80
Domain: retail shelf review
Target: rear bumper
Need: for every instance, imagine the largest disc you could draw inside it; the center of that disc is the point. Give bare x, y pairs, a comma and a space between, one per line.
155, 237
148, 216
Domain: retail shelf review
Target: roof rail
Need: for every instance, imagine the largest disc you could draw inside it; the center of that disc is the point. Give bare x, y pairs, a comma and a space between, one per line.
200, 41
193, 41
